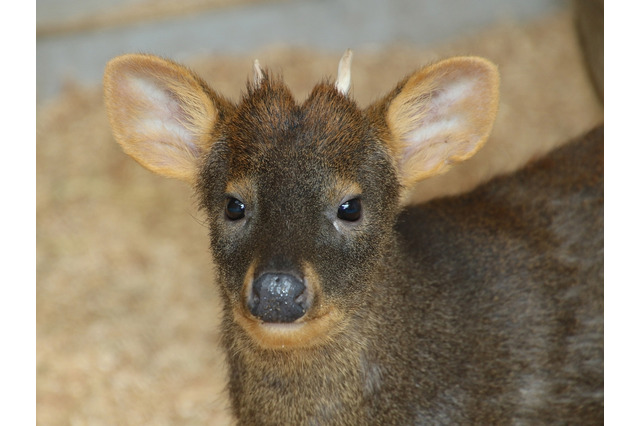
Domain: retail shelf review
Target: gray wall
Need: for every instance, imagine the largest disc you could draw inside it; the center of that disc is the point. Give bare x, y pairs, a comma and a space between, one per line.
325, 24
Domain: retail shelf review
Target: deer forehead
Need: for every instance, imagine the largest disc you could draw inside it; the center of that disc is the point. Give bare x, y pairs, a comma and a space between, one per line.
270, 132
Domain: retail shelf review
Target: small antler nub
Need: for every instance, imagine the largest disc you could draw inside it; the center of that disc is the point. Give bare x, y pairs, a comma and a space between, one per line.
258, 75
343, 83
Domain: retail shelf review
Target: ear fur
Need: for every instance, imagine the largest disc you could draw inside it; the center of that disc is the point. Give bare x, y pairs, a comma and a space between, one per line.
161, 114
442, 114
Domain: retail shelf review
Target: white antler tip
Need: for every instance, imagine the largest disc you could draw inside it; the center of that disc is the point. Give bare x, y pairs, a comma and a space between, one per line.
258, 75
343, 83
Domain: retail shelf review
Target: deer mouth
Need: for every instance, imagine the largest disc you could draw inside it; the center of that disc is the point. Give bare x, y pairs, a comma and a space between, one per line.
313, 329
285, 310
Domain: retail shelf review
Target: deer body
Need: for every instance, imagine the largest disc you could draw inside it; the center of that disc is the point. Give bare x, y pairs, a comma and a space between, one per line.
342, 306
498, 322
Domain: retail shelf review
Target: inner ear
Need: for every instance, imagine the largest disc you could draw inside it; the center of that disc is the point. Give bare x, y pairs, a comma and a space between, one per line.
442, 115
161, 113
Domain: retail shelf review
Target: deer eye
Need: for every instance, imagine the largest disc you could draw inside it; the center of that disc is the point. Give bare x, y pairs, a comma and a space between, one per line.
234, 209
350, 210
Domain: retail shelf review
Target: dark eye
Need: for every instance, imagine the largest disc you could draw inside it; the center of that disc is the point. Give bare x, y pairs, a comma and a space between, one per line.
350, 210
234, 209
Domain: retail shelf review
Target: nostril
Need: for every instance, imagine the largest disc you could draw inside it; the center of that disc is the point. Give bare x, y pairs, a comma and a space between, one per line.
277, 297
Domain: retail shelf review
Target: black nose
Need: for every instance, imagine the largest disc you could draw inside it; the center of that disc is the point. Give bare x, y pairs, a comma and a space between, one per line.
278, 298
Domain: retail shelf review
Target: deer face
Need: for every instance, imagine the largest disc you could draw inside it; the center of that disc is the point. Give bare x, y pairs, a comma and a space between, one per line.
300, 200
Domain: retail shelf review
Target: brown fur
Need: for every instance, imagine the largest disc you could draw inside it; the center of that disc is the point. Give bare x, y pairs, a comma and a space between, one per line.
484, 308
589, 21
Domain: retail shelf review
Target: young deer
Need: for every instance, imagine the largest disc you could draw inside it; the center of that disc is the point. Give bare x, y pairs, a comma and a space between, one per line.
344, 306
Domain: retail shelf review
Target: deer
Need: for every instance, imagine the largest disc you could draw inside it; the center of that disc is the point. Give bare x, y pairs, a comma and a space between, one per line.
343, 303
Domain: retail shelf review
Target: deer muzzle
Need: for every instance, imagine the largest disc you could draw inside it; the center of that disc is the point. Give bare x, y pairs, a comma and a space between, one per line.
278, 298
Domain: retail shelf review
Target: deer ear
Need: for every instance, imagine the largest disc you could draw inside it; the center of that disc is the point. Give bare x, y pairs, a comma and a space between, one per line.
161, 114
442, 114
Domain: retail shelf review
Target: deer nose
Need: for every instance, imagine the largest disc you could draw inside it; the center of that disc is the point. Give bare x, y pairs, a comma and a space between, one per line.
278, 297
